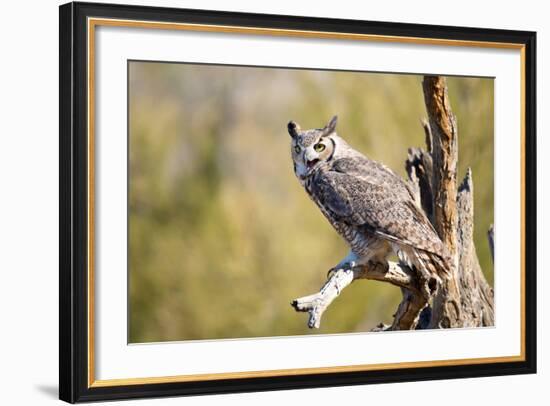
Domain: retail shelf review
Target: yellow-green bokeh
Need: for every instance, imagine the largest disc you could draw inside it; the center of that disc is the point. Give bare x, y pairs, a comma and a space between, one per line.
221, 235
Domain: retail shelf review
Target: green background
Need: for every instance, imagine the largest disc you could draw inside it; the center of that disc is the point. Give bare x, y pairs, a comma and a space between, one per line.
222, 236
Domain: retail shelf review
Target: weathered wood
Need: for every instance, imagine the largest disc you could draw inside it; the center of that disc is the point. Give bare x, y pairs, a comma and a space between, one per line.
392, 272
444, 156
476, 294
428, 137
446, 304
408, 312
419, 170
317, 303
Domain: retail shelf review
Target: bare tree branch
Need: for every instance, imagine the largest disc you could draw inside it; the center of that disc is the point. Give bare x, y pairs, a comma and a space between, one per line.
392, 272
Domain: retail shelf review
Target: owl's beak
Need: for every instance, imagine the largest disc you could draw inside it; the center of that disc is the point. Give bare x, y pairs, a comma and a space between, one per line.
312, 163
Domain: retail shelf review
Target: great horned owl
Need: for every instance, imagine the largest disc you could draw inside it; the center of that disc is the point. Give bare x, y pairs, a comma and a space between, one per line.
370, 206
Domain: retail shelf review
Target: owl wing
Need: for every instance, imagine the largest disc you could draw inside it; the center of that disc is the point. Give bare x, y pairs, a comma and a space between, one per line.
379, 201
373, 172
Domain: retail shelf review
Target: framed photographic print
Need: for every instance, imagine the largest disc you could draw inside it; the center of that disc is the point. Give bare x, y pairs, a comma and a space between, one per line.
258, 202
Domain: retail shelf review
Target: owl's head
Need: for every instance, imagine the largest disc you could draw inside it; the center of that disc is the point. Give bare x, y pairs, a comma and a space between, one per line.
310, 148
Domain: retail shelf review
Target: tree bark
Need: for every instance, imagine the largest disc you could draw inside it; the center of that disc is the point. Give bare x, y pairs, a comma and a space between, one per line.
465, 299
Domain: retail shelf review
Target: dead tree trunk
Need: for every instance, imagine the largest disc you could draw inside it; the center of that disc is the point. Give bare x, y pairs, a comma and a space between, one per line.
466, 299
463, 300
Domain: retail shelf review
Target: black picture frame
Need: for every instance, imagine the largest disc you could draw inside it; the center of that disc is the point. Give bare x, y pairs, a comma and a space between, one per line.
74, 199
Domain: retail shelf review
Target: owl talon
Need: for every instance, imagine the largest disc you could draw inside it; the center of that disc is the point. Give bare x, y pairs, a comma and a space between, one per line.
347, 266
331, 272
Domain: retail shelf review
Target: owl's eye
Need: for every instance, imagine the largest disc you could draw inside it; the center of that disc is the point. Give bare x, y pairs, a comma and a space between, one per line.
319, 147
297, 149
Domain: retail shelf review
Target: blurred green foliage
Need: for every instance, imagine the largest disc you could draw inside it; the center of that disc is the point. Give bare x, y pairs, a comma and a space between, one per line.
221, 235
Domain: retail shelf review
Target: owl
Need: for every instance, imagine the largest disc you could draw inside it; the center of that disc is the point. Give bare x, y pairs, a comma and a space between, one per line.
371, 207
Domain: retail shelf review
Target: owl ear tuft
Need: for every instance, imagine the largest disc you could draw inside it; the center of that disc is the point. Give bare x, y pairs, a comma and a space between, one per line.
293, 128
331, 126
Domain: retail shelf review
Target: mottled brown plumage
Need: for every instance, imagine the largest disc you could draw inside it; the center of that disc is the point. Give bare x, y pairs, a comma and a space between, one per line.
368, 204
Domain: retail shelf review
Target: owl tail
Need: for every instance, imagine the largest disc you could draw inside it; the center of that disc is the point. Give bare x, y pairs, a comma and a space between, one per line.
441, 265
428, 264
